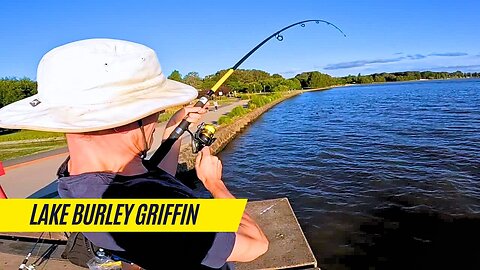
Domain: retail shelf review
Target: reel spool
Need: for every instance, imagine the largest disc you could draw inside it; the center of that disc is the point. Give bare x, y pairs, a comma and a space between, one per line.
204, 136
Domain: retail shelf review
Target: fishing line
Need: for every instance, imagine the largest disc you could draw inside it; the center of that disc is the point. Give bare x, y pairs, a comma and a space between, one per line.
165, 147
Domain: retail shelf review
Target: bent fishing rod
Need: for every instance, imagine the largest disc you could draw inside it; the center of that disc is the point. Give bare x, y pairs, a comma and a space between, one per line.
165, 147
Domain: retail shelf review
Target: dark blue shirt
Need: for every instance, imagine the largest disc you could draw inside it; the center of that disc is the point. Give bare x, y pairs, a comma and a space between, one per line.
150, 250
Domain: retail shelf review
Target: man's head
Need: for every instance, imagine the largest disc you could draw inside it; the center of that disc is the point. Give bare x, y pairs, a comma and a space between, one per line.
95, 84
129, 140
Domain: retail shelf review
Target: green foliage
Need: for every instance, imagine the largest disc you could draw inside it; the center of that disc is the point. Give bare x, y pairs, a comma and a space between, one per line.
258, 101
13, 89
165, 116
280, 88
176, 76
366, 79
315, 79
225, 120
293, 84
254, 87
406, 76
28, 148
237, 111
245, 96
29, 135
193, 79
27, 142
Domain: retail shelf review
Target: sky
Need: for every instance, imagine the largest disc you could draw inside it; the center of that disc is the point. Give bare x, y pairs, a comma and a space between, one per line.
207, 36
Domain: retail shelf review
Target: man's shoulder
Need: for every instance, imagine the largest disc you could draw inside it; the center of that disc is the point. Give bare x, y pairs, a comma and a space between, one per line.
158, 184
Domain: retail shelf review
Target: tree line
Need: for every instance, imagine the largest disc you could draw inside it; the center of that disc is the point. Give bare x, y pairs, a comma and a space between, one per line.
406, 76
251, 81
13, 89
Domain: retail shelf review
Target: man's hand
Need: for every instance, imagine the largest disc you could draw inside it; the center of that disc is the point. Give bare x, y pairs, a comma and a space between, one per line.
250, 241
209, 168
193, 116
170, 162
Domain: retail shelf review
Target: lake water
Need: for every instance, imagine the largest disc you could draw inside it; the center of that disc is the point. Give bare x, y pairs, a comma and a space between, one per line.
380, 176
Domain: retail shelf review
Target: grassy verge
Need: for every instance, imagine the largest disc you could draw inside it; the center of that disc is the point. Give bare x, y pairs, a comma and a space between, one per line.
20, 149
29, 135
256, 101
171, 111
27, 142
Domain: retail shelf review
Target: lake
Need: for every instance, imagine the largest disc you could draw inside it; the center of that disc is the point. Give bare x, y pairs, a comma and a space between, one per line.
382, 176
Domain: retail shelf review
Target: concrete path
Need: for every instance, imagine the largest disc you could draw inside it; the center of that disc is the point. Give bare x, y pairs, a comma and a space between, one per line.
25, 176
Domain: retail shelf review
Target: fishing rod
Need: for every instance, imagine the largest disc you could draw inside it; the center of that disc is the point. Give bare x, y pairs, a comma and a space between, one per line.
23, 265
165, 147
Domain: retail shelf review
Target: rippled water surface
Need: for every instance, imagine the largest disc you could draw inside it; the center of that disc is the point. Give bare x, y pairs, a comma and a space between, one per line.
380, 177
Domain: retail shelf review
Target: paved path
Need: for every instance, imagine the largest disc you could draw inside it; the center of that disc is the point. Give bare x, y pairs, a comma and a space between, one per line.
25, 176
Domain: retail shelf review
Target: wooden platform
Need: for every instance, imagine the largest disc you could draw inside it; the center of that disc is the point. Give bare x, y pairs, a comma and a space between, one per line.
288, 247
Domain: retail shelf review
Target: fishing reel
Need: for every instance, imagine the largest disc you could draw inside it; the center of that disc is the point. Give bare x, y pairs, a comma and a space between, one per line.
204, 136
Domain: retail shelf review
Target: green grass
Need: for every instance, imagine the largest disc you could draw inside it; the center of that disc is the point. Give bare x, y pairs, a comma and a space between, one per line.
225, 120
224, 101
28, 142
11, 151
238, 111
29, 135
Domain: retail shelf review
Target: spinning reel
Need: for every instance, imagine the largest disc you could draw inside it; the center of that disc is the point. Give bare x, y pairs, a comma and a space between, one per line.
204, 136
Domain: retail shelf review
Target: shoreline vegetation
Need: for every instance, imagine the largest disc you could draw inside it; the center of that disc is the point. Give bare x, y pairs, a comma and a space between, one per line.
261, 89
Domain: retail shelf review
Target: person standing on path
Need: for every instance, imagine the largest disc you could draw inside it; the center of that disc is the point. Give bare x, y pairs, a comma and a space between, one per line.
215, 104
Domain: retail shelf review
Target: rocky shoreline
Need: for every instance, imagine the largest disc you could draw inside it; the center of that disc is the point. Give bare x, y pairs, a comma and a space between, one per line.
225, 134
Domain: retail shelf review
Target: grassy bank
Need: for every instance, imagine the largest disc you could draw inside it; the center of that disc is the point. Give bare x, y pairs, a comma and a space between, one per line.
255, 101
27, 142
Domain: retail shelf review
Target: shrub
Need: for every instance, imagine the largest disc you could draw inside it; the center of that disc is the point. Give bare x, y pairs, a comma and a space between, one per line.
224, 120
237, 111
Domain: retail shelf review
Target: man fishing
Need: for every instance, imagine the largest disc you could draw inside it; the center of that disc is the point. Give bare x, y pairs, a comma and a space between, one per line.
106, 96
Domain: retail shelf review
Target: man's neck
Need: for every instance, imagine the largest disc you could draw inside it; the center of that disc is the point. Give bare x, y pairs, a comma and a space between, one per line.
79, 164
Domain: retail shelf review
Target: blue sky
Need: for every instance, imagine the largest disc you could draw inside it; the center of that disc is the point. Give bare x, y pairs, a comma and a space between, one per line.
206, 36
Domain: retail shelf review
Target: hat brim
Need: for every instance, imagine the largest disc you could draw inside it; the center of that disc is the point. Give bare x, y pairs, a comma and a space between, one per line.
77, 119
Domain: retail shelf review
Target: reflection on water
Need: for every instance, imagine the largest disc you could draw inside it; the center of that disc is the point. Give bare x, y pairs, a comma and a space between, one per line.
380, 177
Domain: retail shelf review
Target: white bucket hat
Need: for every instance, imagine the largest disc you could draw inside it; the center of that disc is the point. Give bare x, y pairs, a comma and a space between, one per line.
95, 84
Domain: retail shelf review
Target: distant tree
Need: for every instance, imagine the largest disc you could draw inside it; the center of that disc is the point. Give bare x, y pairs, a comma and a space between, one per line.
280, 88
293, 84
379, 78
176, 76
13, 89
318, 80
366, 79
254, 87
193, 79
303, 79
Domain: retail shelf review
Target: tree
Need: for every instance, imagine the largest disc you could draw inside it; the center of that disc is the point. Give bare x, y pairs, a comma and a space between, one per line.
176, 76
293, 84
13, 89
193, 79
303, 78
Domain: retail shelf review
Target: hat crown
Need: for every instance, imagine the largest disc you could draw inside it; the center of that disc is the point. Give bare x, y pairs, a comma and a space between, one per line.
96, 71
95, 84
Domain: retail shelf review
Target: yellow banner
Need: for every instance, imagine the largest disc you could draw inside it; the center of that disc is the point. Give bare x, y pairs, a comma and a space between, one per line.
121, 215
